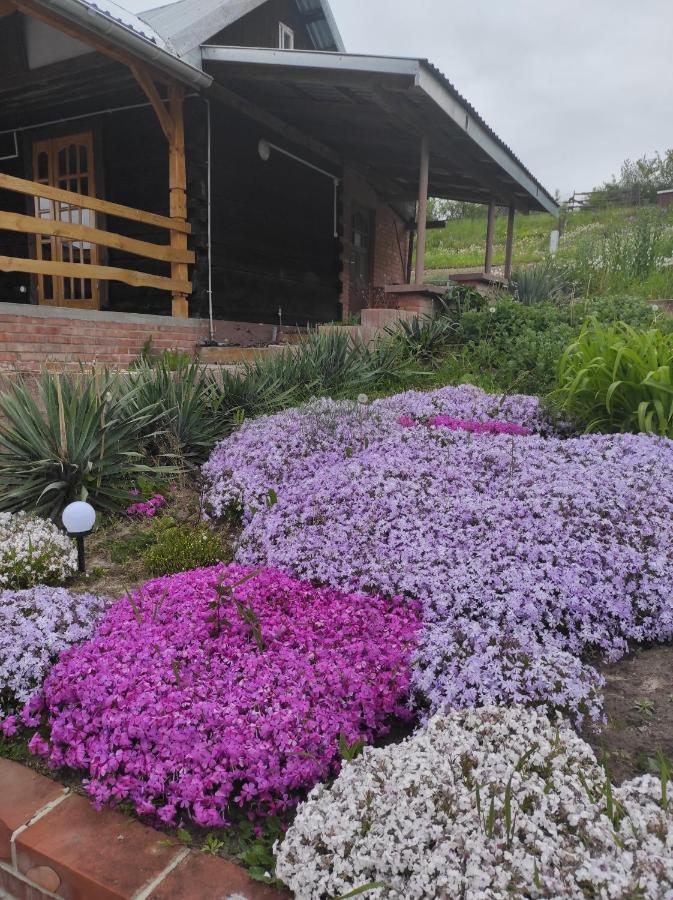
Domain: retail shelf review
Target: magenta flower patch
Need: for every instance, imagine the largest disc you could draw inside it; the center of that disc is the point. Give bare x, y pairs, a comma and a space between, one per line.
147, 508
183, 707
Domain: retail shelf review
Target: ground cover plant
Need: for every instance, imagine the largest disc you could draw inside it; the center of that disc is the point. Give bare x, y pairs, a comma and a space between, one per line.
527, 552
482, 804
33, 551
35, 626
224, 687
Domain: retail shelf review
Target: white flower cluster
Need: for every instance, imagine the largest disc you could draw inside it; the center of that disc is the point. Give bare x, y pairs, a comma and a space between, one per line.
488, 803
33, 551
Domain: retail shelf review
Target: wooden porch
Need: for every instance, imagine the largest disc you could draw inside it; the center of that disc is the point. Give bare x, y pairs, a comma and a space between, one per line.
66, 222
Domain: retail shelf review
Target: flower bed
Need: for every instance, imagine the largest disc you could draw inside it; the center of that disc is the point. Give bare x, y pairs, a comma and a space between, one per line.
35, 626
33, 551
525, 551
482, 804
273, 451
184, 704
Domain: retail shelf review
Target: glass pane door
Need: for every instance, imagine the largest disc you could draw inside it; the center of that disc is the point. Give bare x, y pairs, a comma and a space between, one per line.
66, 163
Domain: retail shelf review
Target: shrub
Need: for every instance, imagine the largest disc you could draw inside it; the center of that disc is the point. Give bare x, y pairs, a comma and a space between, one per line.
486, 804
178, 548
618, 378
79, 438
522, 551
35, 626
33, 551
224, 687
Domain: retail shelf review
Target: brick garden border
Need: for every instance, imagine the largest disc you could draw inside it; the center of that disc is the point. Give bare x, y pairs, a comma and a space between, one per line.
54, 845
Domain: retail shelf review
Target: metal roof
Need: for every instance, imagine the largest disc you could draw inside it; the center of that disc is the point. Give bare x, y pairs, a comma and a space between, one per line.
374, 110
188, 23
123, 29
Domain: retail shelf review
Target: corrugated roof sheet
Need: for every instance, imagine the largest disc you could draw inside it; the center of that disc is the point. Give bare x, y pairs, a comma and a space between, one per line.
121, 16
473, 112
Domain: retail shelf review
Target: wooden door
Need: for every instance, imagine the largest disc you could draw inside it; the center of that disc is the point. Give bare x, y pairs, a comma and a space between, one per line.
66, 163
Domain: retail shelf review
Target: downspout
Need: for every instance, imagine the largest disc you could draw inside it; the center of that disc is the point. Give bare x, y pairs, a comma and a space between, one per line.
211, 325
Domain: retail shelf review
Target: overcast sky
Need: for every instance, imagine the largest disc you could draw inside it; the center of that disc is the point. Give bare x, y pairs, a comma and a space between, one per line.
573, 86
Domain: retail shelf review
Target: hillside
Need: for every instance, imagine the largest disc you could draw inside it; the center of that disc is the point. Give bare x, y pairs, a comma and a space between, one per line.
612, 250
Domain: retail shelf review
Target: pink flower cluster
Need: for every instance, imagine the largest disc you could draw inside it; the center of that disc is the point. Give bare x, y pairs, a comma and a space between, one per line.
473, 427
165, 709
147, 508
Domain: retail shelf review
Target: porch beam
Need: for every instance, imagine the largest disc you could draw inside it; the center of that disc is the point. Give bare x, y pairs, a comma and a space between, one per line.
509, 245
6, 8
422, 215
148, 85
177, 182
490, 231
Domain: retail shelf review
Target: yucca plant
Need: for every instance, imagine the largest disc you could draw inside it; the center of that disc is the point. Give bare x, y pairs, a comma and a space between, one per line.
186, 399
544, 281
75, 436
618, 378
422, 338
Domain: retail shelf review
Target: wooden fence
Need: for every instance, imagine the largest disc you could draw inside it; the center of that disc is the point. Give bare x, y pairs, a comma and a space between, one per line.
171, 253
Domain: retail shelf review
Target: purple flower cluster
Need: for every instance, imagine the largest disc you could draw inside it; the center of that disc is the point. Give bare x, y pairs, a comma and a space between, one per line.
180, 715
35, 626
147, 508
454, 424
526, 554
272, 451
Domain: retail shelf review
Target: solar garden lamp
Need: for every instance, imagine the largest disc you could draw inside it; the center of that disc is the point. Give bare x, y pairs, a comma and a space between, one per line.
78, 520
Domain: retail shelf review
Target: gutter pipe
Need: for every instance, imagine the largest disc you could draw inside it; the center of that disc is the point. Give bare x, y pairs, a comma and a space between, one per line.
96, 22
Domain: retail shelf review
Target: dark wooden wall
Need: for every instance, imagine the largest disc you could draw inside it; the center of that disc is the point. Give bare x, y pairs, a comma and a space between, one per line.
260, 27
273, 231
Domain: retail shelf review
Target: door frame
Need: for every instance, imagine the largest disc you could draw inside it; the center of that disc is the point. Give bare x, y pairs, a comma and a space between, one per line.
89, 134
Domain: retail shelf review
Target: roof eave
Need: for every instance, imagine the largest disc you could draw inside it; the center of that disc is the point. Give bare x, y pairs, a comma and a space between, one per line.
96, 22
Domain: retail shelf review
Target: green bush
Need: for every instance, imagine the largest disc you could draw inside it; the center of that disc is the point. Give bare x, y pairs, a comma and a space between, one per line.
180, 548
618, 378
76, 437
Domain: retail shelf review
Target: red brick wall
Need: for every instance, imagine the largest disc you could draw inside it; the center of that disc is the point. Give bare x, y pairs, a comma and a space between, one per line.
31, 337
390, 244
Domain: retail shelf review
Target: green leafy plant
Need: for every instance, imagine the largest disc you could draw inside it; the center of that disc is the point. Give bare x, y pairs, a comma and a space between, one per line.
618, 378
543, 281
74, 437
349, 752
179, 548
186, 397
421, 338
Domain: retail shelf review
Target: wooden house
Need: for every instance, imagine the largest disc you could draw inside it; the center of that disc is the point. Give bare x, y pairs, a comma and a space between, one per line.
213, 169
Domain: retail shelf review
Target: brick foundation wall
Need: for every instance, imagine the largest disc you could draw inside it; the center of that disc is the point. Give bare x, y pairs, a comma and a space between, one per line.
34, 336
390, 244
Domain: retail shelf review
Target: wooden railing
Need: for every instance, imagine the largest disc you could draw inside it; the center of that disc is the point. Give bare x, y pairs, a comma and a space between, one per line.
178, 256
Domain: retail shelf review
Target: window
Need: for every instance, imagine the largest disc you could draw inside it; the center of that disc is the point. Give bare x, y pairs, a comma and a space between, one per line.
285, 37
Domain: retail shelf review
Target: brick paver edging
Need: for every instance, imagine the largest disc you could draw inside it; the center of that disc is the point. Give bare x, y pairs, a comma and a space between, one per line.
53, 844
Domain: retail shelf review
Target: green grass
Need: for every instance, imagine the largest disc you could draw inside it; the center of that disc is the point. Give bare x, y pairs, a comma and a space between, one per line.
462, 242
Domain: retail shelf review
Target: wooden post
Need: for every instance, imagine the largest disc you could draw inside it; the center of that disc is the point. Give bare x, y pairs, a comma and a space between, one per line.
509, 246
490, 229
422, 209
410, 256
177, 181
